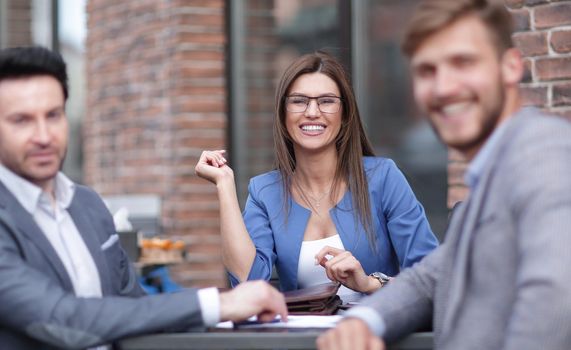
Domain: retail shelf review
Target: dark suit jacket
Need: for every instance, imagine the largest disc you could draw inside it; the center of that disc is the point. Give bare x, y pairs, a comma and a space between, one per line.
38, 308
502, 277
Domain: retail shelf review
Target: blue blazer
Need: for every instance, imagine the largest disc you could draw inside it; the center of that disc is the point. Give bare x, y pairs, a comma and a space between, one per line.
402, 230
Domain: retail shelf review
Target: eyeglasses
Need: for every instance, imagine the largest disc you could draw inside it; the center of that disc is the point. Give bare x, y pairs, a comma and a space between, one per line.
326, 104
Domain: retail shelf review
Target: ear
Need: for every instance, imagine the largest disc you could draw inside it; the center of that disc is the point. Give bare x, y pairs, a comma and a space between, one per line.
512, 66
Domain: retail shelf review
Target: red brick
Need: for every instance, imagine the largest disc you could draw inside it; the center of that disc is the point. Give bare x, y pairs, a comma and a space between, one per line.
457, 194
521, 19
456, 171
553, 68
200, 3
206, 20
561, 41
202, 38
548, 16
531, 43
199, 55
535, 2
527, 72
561, 95
514, 4
20, 5
534, 96
455, 156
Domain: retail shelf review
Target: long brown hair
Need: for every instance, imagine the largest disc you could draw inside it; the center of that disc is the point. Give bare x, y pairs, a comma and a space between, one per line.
351, 142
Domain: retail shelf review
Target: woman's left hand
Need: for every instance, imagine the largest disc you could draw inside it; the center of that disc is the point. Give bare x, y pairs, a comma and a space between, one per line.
341, 266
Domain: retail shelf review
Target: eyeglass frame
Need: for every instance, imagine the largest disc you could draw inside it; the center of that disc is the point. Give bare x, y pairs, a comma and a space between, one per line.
316, 98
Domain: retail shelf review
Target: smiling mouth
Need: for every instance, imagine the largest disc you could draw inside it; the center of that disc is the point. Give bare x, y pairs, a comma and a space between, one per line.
455, 108
313, 128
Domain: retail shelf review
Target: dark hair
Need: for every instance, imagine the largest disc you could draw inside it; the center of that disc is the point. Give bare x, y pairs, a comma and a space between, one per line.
351, 142
431, 16
25, 62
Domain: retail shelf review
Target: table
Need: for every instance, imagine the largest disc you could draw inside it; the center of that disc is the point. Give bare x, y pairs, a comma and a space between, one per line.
280, 339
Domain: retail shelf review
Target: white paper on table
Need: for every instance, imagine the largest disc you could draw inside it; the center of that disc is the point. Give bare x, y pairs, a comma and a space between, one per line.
293, 321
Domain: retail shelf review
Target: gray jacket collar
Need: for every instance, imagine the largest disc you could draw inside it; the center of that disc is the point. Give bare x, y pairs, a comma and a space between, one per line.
23, 223
469, 215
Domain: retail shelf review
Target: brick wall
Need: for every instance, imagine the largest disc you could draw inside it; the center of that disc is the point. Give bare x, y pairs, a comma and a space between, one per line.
156, 98
543, 35
18, 17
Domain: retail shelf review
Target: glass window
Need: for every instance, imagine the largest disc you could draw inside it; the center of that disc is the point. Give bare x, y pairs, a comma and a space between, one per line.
265, 37
71, 44
396, 128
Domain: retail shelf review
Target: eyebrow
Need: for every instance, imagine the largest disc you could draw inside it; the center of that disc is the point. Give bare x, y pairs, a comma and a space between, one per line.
53, 109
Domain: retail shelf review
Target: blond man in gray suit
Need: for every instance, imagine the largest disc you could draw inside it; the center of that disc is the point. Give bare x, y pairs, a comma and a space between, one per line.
502, 278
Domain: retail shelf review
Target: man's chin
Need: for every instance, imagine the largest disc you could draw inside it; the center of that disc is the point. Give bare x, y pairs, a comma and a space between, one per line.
467, 148
41, 175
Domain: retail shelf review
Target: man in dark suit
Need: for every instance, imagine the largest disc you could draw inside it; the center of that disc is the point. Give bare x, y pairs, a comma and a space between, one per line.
501, 280
65, 282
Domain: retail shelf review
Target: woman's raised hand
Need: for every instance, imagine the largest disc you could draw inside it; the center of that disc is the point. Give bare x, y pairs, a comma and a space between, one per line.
213, 167
238, 250
341, 266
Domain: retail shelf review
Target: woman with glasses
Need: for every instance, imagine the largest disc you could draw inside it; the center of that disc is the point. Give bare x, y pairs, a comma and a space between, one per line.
330, 210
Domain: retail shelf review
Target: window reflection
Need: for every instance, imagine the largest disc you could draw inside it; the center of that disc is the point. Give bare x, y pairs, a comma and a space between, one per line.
396, 127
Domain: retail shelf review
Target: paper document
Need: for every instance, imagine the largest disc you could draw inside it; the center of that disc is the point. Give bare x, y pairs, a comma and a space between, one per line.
305, 321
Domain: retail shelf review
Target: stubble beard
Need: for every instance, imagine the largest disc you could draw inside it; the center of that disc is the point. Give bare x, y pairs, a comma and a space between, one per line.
489, 122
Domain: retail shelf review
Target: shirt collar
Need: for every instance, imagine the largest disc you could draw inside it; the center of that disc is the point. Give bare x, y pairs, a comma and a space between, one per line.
64, 190
476, 167
28, 194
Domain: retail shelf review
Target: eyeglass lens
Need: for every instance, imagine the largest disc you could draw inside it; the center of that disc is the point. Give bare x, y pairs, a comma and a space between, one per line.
326, 104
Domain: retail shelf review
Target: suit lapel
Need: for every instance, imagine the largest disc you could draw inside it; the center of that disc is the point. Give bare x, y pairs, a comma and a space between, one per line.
459, 269
467, 226
27, 226
89, 235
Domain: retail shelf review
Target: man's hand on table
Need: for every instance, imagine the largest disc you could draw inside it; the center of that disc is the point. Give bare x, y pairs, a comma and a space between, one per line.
351, 334
250, 299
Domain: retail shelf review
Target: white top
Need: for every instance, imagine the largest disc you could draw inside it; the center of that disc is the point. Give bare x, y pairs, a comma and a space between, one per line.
310, 274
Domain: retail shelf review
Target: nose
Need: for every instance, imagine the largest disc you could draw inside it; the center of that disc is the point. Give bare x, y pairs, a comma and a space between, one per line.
42, 133
445, 83
312, 109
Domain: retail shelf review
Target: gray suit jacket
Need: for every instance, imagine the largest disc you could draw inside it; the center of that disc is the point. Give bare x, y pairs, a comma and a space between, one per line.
502, 278
38, 308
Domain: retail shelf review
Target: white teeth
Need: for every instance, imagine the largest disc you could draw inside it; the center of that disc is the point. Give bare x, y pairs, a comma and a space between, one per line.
455, 108
313, 128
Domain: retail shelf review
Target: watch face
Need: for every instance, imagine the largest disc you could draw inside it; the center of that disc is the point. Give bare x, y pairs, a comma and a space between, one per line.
381, 277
